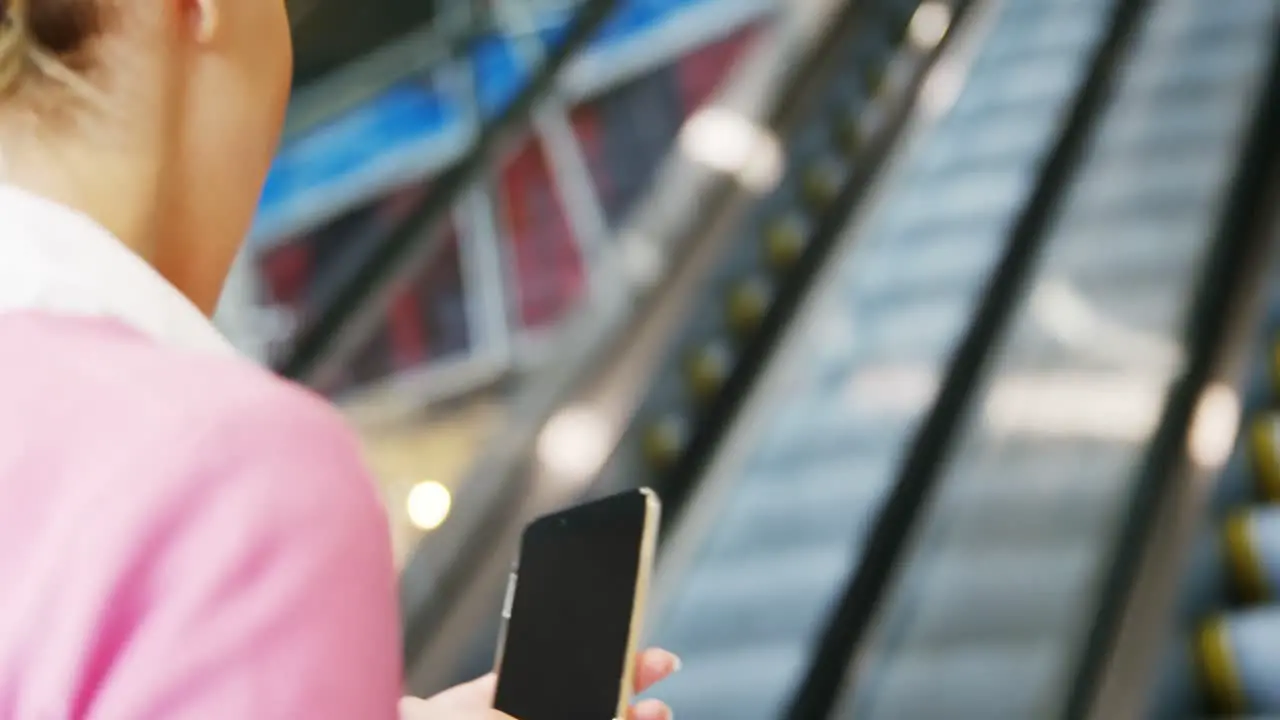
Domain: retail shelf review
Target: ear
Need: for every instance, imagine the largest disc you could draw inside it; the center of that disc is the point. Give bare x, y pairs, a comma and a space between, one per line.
203, 19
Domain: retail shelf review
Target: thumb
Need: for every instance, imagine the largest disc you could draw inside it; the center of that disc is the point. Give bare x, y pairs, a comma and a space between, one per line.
469, 701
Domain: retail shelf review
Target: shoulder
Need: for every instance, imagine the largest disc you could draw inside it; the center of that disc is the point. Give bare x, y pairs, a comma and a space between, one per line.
186, 427
260, 440
218, 522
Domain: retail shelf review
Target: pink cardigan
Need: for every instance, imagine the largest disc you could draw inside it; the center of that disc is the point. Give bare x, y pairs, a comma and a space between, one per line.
182, 535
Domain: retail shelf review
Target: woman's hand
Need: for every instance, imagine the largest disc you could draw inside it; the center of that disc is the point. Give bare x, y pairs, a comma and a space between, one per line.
474, 700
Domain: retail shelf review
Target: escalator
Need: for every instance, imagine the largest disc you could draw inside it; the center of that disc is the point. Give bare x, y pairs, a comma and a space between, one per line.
1106, 397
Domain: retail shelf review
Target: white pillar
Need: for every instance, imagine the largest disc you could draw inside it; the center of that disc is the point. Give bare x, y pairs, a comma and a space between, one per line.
242, 314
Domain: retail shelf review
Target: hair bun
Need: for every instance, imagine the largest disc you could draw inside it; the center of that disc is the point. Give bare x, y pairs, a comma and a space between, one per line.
61, 27
49, 35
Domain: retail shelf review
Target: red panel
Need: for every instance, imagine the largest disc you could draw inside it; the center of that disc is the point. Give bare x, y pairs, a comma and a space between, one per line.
518, 175
548, 269
590, 131
702, 71
286, 272
406, 326
443, 304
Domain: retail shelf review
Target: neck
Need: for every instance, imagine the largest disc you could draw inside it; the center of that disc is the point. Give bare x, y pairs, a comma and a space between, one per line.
115, 189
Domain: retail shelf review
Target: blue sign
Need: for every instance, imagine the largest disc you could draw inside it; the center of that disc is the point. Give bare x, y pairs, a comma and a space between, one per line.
415, 128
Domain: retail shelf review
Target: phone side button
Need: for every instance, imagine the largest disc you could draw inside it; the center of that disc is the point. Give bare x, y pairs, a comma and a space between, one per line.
511, 594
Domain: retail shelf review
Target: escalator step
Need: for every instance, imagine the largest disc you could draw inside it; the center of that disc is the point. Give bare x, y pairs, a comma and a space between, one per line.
708, 367
1004, 596
1177, 685
776, 598
821, 183
1253, 473
1252, 543
983, 142
778, 513
747, 303
827, 431
665, 440
944, 264
1032, 83
874, 62
1236, 658
913, 330
847, 130
786, 239
1208, 583
1272, 389
1264, 447
744, 682
1006, 680
1001, 511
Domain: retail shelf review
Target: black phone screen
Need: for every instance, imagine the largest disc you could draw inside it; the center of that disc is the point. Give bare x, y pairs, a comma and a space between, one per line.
565, 649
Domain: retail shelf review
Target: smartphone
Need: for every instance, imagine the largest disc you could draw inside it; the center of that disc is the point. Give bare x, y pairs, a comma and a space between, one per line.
574, 608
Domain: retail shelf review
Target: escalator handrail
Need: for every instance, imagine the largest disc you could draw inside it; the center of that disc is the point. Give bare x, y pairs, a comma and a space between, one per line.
828, 669
1222, 289
340, 326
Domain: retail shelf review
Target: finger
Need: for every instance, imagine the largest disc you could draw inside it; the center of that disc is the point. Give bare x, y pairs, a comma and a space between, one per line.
653, 666
650, 710
412, 708
475, 694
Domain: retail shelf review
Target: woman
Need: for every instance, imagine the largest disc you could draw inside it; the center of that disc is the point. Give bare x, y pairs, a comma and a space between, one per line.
181, 534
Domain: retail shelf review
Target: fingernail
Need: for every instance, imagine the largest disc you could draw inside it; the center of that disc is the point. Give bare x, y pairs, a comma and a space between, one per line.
676, 664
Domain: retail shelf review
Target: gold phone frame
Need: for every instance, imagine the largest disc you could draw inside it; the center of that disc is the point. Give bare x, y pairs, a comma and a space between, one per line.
639, 602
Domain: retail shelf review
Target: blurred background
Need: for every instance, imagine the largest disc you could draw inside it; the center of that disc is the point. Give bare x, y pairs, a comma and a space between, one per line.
946, 329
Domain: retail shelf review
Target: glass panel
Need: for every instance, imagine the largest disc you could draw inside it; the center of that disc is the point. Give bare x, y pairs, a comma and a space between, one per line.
424, 322
625, 135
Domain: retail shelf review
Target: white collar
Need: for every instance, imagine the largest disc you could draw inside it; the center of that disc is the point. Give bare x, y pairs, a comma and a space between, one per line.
55, 259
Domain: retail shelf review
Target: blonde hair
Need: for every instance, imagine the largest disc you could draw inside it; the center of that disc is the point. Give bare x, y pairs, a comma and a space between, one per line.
47, 38
13, 43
